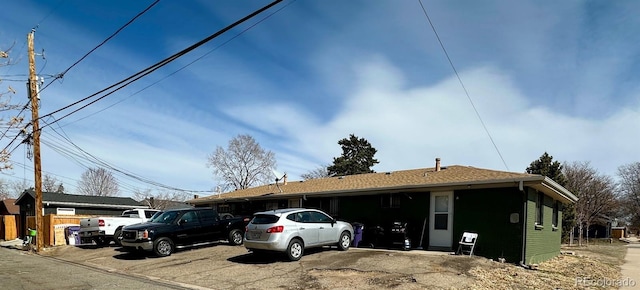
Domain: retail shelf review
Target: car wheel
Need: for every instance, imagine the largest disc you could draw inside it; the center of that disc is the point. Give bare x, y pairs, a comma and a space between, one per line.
163, 247
345, 241
235, 237
295, 250
117, 235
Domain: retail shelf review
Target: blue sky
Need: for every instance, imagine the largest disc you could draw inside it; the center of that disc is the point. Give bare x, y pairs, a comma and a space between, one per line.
555, 76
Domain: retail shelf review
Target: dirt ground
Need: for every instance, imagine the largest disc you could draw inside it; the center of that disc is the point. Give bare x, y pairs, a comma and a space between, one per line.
227, 267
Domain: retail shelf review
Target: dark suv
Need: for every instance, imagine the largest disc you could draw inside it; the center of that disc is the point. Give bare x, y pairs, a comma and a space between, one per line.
181, 228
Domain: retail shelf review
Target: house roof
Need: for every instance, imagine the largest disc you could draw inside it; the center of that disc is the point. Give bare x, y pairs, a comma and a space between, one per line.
9, 205
448, 178
73, 200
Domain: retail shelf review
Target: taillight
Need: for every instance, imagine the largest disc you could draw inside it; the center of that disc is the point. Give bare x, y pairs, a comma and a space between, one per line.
276, 229
101, 223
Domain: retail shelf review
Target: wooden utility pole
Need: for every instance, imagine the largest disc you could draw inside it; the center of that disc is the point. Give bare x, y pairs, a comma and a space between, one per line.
37, 170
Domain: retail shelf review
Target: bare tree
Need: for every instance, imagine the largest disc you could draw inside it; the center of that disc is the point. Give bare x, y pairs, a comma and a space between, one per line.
319, 172
51, 184
629, 175
6, 105
596, 194
98, 181
161, 199
243, 164
19, 186
5, 191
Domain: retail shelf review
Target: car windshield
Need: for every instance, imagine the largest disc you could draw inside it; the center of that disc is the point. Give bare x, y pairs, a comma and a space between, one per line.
261, 219
166, 217
155, 215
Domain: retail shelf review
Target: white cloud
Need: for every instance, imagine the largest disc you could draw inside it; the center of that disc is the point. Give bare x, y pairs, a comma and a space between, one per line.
412, 126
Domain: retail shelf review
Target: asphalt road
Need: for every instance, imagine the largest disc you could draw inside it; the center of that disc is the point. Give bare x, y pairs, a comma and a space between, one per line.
23, 270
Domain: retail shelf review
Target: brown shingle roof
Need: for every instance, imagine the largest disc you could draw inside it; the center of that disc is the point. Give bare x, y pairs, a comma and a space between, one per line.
10, 206
401, 180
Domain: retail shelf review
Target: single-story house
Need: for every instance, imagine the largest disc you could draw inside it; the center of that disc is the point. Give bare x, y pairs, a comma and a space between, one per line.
517, 216
9, 218
8, 207
71, 204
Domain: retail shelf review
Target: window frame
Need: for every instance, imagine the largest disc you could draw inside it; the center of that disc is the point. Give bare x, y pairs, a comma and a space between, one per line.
390, 200
539, 222
555, 218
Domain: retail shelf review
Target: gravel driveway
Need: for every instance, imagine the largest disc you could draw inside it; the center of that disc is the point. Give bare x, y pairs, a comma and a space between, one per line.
228, 267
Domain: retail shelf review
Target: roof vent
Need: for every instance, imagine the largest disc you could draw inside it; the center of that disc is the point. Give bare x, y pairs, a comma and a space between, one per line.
437, 164
340, 177
388, 173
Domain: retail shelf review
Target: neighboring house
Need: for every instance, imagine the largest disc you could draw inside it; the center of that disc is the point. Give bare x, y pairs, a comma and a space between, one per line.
516, 215
9, 219
165, 204
8, 207
71, 204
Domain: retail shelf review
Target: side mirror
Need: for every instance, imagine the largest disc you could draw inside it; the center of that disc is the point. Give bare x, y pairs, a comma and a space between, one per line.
181, 222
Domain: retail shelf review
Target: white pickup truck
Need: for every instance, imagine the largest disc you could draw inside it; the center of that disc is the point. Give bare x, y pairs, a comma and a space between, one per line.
104, 229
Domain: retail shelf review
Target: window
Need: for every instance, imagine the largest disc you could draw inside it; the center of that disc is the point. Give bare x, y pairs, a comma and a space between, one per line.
271, 205
318, 217
189, 217
441, 212
65, 211
293, 203
207, 216
222, 208
556, 209
149, 213
334, 206
390, 201
539, 208
263, 219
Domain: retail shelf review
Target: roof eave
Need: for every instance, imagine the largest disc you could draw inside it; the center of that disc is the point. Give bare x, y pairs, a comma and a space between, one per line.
79, 204
493, 183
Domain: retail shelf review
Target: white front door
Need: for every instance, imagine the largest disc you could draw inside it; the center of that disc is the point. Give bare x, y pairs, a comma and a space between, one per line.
441, 219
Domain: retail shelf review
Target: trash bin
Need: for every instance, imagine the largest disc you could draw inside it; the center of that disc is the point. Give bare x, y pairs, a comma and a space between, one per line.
73, 235
357, 233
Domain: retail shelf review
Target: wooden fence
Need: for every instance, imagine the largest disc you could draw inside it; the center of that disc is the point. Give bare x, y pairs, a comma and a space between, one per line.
9, 225
55, 235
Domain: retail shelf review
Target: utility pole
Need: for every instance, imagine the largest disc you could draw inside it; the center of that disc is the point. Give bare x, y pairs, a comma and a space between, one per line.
37, 170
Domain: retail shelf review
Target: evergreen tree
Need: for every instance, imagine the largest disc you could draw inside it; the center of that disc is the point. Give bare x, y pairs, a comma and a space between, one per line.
553, 169
357, 157
549, 168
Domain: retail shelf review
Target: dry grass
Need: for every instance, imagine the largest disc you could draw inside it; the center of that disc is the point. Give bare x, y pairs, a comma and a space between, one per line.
596, 262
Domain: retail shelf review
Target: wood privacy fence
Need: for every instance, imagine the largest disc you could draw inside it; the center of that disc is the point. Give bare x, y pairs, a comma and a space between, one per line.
55, 235
9, 225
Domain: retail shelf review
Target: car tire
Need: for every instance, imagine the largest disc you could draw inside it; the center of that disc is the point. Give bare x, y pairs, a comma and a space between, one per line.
295, 250
345, 241
163, 247
235, 237
116, 237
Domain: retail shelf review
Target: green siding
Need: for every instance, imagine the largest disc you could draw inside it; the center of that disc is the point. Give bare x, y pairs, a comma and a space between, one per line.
487, 212
542, 243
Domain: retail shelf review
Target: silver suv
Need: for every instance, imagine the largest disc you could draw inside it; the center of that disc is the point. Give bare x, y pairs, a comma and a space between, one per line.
292, 230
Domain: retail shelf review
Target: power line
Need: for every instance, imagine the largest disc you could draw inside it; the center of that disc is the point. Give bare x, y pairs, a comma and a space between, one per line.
61, 75
125, 82
462, 84
102, 163
186, 65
